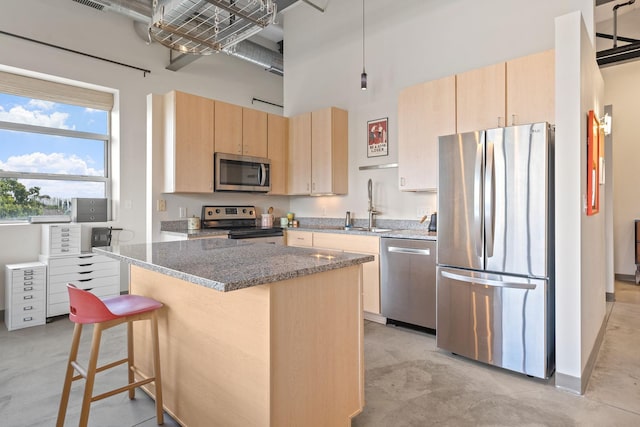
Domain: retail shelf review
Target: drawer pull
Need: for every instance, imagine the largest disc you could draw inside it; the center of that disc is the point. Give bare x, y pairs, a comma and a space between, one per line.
27, 297
65, 234
65, 245
65, 239
28, 272
85, 272
28, 278
27, 308
27, 283
85, 265
85, 280
85, 256
27, 319
64, 250
28, 288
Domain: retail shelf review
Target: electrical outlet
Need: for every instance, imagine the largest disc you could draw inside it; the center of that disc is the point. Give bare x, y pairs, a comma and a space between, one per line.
162, 205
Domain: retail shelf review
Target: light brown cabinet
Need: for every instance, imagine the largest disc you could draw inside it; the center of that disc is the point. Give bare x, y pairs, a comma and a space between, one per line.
425, 111
349, 243
481, 98
318, 152
531, 89
519, 91
228, 128
299, 155
189, 143
254, 133
239, 130
277, 137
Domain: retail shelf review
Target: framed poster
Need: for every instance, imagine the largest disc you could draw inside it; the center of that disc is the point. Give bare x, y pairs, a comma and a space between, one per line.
593, 164
377, 133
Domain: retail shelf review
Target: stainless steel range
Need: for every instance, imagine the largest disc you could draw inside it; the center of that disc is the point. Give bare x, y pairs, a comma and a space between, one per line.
241, 221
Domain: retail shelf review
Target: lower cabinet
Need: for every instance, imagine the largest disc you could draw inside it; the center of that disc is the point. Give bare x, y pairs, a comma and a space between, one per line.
96, 273
25, 295
348, 243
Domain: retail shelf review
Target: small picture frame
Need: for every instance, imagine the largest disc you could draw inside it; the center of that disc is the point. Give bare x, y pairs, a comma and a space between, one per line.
377, 137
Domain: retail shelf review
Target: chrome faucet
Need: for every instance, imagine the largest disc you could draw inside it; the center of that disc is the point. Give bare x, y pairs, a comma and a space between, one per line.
371, 210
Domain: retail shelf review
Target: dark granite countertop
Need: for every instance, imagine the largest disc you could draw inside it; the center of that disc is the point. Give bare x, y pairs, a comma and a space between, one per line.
227, 265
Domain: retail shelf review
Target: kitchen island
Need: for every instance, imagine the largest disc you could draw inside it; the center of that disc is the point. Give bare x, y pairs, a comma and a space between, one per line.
252, 334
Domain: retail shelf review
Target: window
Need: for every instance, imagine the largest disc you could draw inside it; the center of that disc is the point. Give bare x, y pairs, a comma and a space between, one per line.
54, 146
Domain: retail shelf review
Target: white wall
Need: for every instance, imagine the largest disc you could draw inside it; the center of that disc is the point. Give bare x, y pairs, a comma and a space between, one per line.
74, 26
623, 93
580, 239
406, 43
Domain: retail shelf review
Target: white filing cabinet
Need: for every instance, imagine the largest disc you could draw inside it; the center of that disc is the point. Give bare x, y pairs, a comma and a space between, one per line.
25, 295
97, 273
60, 239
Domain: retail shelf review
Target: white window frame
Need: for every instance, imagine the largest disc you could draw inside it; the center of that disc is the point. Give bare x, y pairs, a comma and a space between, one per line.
34, 88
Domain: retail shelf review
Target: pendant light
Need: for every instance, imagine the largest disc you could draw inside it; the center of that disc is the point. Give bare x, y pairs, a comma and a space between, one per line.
363, 76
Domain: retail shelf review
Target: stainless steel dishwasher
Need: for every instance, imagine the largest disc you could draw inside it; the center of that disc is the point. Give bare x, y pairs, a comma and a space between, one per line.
408, 281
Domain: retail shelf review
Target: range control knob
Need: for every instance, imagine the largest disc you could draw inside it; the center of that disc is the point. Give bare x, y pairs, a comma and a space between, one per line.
209, 213
244, 211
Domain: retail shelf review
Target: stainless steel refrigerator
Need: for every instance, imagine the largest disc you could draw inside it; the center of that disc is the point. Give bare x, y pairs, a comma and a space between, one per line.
495, 290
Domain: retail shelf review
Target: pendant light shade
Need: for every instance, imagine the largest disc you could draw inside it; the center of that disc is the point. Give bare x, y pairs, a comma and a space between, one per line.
363, 76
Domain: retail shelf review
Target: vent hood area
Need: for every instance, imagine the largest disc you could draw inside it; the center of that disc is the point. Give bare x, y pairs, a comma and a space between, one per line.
201, 27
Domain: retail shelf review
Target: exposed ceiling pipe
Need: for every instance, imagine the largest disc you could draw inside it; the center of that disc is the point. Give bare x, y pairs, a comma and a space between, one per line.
141, 11
615, 20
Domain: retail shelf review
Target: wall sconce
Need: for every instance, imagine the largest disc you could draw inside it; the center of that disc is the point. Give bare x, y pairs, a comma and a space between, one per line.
605, 123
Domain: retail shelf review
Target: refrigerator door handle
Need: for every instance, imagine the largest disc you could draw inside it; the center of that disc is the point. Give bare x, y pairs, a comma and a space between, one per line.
488, 282
489, 197
477, 199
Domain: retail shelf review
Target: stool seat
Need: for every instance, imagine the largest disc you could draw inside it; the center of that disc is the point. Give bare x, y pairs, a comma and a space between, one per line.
87, 308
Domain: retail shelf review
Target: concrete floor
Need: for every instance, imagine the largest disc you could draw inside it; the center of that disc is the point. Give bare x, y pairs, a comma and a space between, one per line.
408, 381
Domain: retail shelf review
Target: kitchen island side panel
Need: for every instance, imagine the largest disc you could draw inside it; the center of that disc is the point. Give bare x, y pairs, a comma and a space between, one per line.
246, 357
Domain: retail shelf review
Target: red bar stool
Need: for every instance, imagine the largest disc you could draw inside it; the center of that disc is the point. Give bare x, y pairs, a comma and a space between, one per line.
86, 308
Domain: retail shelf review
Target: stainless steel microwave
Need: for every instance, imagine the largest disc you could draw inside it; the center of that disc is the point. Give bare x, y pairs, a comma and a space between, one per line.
233, 172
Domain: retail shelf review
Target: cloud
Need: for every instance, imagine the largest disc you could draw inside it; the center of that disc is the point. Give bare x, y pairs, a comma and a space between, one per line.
55, 163
19, 114
66, 189
38, 103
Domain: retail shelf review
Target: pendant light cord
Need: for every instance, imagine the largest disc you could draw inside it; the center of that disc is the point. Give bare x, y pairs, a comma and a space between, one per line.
363, 36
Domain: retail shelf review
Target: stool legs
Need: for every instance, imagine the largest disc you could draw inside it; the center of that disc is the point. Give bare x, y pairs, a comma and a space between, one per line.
156, 367
91, 374
64, 399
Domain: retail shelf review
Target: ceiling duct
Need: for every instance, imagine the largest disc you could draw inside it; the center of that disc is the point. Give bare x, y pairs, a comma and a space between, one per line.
142, 11
202, 27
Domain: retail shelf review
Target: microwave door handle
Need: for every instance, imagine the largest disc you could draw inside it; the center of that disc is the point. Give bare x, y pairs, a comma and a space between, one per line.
262, 174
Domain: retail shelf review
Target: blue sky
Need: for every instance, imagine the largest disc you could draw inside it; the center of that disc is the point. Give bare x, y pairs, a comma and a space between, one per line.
26, 152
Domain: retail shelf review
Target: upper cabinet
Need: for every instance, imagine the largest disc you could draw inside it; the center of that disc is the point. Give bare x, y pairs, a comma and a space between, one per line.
481, 98
254, 133
517, 92
239, 130
299, 155
425, 111
318, 152
277, 137
189, 129
531, 89
228, 128
329, 151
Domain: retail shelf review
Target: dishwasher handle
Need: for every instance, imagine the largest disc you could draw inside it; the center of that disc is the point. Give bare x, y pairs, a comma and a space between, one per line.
411, 251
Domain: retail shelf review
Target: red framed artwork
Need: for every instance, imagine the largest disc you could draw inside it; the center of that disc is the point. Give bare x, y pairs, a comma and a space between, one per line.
593, 164
377, 134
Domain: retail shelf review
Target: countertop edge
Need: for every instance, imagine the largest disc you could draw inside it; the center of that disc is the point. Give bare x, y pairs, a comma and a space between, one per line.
241, 284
